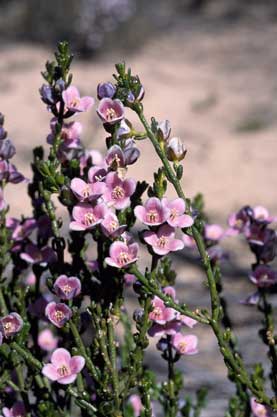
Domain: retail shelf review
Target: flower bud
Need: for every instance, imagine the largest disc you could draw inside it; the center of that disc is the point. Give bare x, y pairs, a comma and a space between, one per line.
105, 90
7, 149
164, 130
138, 315
175, 150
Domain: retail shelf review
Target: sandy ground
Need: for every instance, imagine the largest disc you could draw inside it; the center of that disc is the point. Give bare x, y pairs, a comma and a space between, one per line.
218, 87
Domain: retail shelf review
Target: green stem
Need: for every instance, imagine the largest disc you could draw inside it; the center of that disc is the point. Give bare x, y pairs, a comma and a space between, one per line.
27, 356
83, 403
92, 369
112, 354
3, 305
232, 359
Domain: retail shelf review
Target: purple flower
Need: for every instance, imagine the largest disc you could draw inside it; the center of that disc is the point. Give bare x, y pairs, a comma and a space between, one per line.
58, 313
153, 213
35, 255
67, 288
168, 329
11, 324
263, 276
105, 90
260, 410
9, 173
110, 111
17, 410
163, 241
239, 222
74, 102
87, 192
122, 254
63, 368
261, 215
97, 173
110, 226
47, 341
177, 208
161, 314
21, 230
118, 191
185, 345
7, 149
86, 217
188, 241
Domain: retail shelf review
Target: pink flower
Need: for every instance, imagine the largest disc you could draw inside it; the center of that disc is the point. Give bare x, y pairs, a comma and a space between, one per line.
129, 279
122, 254
118, 191
86, 217
160, 313
170, 291
47, 341
58, 313
163, 241
74, 102
188, 321
213, 232
185, 345
261, 215
110, 226
263, 276
87, 192
167, 329
110, 111
17, 410
136, 404
188, 241
21, 230
70, 134
177, 208
30, 279
259, 410
11, 324
63, 368
153, 213
67, 288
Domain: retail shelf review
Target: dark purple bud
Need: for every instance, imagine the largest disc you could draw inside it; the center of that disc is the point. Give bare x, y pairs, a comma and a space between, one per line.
4, 170
14, 176
2, 119
7, 149
3, 133
138, 315
105, 90
46, 94
162, 344
131, 152
131, 98
59, 87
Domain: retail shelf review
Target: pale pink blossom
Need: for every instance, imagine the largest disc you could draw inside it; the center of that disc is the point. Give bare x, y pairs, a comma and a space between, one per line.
87, 191
74, 102
122, 254
47, 341
213, 232
11, 324
136, 404
67, 288
177, 216
153, 213
58, 313
110, 226
163, 241
118, 191
160, 313
86, 216
185, 345
260, 410
63, 368
110, 111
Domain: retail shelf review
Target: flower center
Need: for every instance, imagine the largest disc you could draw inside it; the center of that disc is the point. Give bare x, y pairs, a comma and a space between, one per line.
264, 277
157, 313
118, 193
86, 191
59, 315
182, 347
67, 289
110, 114
113, 225
123, 258
89, 219
238, 223
63, 371
174, 214
152, 216
75, 102
162, 241
8, 328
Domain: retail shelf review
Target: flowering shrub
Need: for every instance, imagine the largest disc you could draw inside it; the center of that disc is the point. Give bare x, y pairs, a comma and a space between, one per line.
61, 351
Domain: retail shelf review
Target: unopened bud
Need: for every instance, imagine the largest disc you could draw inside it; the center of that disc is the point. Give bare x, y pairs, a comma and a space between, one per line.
175, 150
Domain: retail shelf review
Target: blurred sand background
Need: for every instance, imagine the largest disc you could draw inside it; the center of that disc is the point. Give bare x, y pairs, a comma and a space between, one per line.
210, 70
